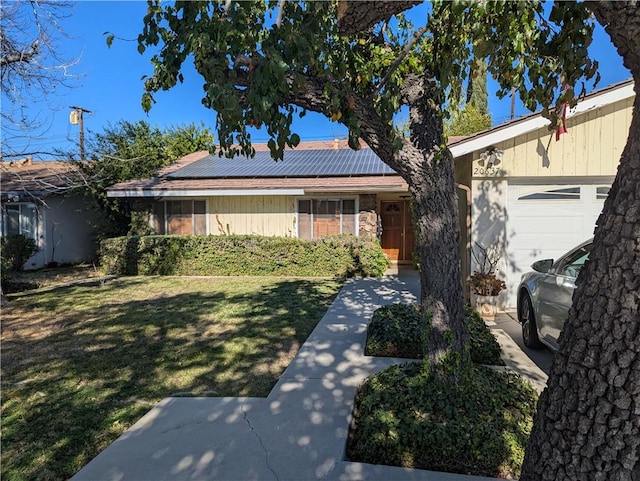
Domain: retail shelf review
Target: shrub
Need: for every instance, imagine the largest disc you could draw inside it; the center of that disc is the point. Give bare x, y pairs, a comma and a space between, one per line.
16, 250
406, 416
340, 256
369, 256
5, 267
396, 331
484, 347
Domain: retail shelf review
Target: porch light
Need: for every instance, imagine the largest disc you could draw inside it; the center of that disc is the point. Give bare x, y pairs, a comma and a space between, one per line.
492, 156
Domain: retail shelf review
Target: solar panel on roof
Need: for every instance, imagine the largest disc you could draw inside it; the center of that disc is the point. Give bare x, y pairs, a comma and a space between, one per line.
296, 163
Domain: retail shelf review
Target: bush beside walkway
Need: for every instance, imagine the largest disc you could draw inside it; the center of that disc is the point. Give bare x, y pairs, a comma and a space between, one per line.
477, 423
243, 255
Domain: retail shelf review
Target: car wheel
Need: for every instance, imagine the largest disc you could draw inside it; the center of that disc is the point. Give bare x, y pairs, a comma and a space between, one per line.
528, 320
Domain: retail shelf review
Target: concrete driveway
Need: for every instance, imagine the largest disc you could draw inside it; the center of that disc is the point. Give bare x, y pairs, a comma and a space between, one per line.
508, 322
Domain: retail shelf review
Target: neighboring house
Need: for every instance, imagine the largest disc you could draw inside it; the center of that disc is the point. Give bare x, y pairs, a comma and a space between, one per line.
37, 201
539, 196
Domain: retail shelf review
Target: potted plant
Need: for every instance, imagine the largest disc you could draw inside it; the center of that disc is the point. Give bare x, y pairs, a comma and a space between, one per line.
484, 283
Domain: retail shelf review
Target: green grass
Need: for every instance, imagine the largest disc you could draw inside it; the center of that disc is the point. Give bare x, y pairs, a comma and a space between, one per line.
81, 364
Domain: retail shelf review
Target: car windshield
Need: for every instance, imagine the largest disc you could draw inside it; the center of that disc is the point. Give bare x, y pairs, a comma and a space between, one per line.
572, 264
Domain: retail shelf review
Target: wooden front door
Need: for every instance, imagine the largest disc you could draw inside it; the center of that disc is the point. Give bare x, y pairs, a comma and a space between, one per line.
397, 230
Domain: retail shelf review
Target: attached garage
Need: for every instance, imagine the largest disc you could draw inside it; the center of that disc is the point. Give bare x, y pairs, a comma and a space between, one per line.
535, 193
545, 221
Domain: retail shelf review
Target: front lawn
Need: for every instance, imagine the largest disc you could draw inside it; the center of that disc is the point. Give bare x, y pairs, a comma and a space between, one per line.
81, 364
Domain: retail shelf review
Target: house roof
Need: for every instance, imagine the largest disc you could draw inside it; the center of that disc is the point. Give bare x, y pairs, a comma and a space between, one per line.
29, 179
257, 186
296, 163
323, 165
304, 170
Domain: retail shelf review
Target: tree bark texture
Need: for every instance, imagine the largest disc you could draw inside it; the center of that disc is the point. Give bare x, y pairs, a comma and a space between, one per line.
588, 422
359, 15
438, 232
428, 168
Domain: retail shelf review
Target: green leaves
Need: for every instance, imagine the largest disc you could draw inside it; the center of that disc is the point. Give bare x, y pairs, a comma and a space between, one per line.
468, 121
535, 56
109, 38
256, 72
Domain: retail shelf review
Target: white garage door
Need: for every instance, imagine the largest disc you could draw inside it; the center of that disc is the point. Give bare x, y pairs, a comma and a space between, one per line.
545, 221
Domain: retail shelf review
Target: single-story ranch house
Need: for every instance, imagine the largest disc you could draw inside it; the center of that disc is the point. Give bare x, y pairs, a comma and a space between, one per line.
37, 201
523, 188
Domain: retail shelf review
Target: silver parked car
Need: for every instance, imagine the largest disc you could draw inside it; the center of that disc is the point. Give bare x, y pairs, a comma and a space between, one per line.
544, 296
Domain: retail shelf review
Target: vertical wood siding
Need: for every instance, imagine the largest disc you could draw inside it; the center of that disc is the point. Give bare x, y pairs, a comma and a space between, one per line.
591, 147
260, 215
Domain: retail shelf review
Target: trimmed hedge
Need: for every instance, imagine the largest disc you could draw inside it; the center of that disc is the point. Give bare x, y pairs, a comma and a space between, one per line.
243, 255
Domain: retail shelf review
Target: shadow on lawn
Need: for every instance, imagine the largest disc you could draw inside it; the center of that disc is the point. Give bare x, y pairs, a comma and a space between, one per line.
298, 432
77, 372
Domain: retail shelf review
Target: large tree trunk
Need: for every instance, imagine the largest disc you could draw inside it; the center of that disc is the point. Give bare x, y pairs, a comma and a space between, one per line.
588, 420
360, 15
428, 168
438, 234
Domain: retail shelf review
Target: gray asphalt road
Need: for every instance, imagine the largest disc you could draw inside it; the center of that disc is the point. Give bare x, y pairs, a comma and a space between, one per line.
542, 357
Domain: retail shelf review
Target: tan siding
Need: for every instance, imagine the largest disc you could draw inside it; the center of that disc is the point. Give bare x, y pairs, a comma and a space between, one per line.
621, 122
607, 132
591, 147
261, 215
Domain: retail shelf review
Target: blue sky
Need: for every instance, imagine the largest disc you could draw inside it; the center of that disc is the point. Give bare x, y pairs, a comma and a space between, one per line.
110, 82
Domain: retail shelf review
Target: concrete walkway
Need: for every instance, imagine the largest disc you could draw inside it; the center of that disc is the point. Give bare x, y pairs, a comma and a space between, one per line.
297, 433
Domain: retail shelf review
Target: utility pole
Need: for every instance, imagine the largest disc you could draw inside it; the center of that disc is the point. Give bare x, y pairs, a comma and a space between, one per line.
513, 103
76, 117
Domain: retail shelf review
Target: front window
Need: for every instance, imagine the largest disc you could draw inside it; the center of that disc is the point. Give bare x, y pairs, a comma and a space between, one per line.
566, 193
181, 217
20, 218
322, 217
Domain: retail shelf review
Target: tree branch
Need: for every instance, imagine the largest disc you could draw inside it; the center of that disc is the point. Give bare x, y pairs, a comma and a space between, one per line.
280, 10
405, 51
373, 129
357, 16
20, 56
622, 22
